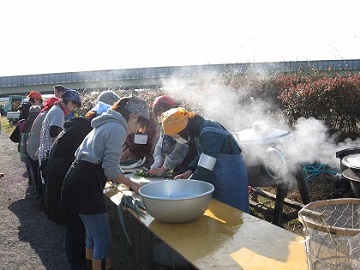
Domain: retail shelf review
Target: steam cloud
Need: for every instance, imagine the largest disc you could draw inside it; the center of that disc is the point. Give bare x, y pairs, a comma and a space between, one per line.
308, 142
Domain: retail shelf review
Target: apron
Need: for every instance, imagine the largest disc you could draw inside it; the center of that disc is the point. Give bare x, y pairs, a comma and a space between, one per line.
82, 190
54, 172
230, 177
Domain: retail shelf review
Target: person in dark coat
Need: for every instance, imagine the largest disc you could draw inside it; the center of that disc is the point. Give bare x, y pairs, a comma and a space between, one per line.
60, 159
219, 160
75, 130
59, 162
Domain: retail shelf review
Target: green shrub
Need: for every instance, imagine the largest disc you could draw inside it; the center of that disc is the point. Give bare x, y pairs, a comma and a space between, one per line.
335, 100
332, 98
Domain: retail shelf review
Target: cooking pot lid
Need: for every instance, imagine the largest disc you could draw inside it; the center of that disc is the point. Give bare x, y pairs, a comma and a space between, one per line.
351, 175
352, 161
251, 136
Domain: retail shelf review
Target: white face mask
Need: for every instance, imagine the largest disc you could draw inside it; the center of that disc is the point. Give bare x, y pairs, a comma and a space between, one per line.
181, 140
159, 119
140, 138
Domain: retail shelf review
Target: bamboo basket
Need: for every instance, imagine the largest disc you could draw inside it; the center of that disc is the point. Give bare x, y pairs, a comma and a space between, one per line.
332, 238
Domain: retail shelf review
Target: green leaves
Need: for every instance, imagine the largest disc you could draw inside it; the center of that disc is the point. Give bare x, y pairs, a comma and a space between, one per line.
336, 100
330, 97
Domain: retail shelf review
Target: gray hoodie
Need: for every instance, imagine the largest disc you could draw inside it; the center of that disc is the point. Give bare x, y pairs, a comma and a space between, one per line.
104, 143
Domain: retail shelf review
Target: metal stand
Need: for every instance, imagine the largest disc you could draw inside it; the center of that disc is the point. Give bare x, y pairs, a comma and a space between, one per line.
279, 217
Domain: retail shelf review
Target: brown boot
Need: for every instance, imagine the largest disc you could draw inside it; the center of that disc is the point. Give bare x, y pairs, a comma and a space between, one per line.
104, 264
88, 256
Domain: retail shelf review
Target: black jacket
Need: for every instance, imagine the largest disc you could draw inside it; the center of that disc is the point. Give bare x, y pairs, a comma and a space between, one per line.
59, 162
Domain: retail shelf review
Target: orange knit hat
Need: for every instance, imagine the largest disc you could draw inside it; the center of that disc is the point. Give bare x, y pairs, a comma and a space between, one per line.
35, 95
174, 120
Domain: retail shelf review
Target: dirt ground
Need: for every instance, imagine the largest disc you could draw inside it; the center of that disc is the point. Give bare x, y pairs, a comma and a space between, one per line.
28, 240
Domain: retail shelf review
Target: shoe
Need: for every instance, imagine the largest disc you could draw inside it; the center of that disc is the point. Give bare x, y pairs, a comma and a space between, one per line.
25, 175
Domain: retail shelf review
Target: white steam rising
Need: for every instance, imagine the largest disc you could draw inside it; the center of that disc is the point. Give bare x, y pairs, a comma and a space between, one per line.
308, 142
236, 110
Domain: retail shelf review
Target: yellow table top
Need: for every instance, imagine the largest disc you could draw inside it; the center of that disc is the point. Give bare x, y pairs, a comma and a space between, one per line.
227, 238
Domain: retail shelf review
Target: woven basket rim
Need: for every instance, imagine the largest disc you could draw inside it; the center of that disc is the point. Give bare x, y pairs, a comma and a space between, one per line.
311, 223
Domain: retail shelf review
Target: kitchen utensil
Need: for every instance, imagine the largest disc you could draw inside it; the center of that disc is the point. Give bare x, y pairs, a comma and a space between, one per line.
176, 201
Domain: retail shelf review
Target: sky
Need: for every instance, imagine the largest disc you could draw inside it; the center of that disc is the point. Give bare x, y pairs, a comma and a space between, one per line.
62, 36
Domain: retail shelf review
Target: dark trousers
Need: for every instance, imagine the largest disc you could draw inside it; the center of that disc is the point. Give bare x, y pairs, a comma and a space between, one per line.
34, 173
75, 244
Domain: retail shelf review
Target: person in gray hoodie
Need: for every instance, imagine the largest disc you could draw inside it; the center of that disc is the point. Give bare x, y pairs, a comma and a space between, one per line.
97, 160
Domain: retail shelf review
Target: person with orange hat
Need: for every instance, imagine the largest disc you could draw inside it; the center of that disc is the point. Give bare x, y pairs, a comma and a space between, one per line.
168, 154
33, 98
28, 111
33, 144
219, 160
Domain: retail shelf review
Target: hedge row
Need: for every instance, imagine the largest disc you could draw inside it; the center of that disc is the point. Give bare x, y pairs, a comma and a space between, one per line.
335, 100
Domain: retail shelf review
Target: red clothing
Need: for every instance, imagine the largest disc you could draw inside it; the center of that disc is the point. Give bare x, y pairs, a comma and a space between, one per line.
139, 151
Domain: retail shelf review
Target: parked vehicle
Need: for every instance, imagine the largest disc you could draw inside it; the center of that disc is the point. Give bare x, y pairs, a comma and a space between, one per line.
13, 117
4, 106
14, 103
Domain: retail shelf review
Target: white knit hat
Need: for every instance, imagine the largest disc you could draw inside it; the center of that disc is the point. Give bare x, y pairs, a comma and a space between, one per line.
108, 97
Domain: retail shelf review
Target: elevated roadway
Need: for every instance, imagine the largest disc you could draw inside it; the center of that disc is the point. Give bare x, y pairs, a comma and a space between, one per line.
136, 78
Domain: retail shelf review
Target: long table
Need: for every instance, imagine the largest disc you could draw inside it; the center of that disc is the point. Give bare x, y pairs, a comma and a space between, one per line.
226, 238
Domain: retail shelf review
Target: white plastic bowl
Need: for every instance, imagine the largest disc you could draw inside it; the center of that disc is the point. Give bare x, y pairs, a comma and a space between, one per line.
176, 201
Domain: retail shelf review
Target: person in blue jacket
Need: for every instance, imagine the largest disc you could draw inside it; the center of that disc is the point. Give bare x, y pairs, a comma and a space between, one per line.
219, 160
168, 154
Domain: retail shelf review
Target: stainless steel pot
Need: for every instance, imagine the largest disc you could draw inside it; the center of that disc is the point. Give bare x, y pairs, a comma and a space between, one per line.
176, 201
352, 173
265, 161
353, 177
346, 152
344, 183
260, 137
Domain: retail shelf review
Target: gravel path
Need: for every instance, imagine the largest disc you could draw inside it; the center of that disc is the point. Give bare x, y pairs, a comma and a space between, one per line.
28, 240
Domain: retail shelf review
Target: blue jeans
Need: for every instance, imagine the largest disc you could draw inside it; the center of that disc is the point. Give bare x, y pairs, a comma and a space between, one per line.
98, 235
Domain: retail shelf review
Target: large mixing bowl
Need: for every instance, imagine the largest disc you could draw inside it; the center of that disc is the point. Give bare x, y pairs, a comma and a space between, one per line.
176, 201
